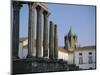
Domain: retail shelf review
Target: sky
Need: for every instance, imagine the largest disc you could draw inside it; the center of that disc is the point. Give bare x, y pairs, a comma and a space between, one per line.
81, 18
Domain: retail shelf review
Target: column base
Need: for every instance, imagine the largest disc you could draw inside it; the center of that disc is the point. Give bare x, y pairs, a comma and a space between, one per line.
15, 57
29, 56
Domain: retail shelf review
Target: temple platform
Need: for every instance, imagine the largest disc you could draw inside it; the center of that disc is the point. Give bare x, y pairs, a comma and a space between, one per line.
40, 65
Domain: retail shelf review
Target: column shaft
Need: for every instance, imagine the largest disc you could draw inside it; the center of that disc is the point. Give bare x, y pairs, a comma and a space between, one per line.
51, 41
39, 32
15, 29
45, 35
31, 50
55, 42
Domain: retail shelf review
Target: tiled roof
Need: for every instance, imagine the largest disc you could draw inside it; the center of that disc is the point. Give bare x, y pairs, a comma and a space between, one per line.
62, 49
86, 48
22, 39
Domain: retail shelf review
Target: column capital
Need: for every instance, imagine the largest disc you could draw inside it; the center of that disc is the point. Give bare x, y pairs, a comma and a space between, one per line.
46, 13
51, 23
39, 9
16, 5
55, 25
32, 4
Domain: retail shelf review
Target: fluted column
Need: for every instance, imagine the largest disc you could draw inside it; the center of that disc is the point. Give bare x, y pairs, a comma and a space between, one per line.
39, 32
51, 41
45, 35
55, 42
31, 50
15, 29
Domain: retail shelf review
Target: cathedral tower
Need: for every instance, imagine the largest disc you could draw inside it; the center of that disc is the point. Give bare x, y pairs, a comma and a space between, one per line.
70, 40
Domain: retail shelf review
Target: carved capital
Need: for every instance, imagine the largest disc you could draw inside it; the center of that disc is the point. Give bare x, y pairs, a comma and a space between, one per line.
39, 9
16, 6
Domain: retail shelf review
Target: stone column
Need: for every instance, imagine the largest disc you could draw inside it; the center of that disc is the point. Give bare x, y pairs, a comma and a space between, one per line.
45, 34
39, 32
31, 50
15, 29
55, 42
51, 41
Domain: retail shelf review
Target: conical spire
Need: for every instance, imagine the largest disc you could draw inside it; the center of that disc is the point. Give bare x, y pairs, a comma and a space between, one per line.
71, 33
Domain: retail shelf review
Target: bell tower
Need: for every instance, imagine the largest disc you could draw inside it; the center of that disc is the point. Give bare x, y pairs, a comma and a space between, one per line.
70, 40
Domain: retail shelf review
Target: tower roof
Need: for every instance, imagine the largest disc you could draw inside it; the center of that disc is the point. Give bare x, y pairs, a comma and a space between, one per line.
71, 32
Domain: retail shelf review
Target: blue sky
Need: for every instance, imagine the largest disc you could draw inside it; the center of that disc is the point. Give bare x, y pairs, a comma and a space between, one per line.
80, 17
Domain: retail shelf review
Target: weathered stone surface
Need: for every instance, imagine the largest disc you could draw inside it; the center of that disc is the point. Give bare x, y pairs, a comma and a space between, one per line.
31, 50
40, 65
15, 29
51, 41
45, 34
39, 32
55, 42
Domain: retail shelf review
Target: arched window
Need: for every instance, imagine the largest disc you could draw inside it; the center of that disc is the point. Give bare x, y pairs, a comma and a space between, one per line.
80, 58
90, 58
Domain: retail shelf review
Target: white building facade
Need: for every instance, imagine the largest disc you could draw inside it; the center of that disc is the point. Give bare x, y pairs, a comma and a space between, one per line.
86, 58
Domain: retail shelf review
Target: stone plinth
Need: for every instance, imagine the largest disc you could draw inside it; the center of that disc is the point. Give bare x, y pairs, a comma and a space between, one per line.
34, 65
